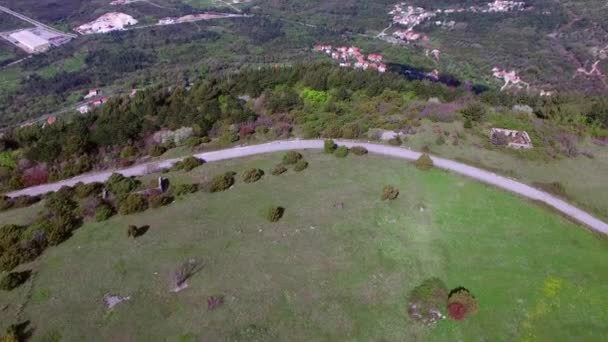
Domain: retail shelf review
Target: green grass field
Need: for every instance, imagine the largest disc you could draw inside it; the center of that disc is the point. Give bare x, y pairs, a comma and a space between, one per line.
322, 273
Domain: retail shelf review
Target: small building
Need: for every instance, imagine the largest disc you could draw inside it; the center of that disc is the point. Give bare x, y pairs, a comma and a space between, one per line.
30, 42
92, 93
84, 109
511, 138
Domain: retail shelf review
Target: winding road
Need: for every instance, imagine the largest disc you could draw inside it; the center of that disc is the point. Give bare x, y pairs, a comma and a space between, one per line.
396, 152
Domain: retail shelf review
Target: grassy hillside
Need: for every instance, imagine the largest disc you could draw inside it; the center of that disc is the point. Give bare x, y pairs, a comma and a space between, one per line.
339, 265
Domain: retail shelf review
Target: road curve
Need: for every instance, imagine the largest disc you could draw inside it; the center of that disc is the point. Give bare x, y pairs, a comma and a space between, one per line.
397, 152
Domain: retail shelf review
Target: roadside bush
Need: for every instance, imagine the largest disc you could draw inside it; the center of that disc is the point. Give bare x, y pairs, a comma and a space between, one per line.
120, 185
278, 170
103, 212
87, 190
329, 146
341, 152
134, 203
13, 280
188, 164
427, 301
25, 201
389, 193
192, 142
159, 200
274, 214
301, 165
128, 152
461, 304
359, 150
157, 150
396, 141
554, 188
219, 183
291, 157
252, 175
184, 189
5, 203
424, 163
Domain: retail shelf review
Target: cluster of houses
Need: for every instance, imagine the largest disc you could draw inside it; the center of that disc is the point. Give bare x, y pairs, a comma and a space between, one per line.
352, 57
409, 16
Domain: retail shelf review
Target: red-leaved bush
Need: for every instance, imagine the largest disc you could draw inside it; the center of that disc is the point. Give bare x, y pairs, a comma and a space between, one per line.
35, 175
457, 311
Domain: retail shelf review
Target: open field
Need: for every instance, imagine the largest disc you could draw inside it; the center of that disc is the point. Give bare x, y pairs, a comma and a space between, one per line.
322, 272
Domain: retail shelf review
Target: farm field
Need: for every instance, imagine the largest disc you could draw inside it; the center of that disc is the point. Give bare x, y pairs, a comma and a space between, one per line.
338, 266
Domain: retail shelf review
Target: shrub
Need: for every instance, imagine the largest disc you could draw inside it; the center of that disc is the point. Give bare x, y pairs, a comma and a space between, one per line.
157, 150
291, 157
274, 214
132, 231
134, 203
25, 201
440, 140
185, 189
301, 165
10, 234
278, 170
188, 164
461, 304
5, 203
159, 200
128, 152
359, 150
193, 142
219, 183
121, 185
389, 193
424, 163
341, 152
396, 141
427, 301
87, 190
13, 280
103, 212
205, 140
329, 146
474, 112
252, 175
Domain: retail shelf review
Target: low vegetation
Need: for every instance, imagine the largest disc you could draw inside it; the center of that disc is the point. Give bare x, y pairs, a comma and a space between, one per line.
219, 183
291, 157
252, 175
359, 150
424, 163
341, 152
301, 165
389, 193
274, 214
278, 170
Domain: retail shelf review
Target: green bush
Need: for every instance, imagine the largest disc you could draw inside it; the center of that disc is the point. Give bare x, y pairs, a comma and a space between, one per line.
274, 214
359, 150
87, 190
185, 189
128, 152
396, 141
13, 280
427, 301
341, 152
440, 140
424, 163
389, 193
219, 183
205, 140
134, 203
252, 175
5, 203
329, 146
103, 212
278, 170
188, 164
25, 201
193, 142
473, 112
301, 165
121, 185
157, 150
159, 200
291, 157
10, 234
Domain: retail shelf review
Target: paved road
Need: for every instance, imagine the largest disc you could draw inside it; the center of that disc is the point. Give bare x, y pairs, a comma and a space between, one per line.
397, 152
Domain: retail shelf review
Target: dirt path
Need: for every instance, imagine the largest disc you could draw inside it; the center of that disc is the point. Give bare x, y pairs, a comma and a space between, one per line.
396, 152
